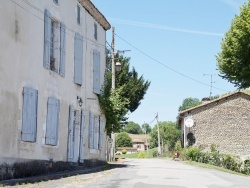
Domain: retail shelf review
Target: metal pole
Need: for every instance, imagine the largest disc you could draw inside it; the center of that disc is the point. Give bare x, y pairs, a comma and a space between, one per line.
159, 144
113, 57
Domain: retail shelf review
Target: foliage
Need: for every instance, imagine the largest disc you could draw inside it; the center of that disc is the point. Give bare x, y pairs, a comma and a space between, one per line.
169, 133
149, 154
123, 140
142, 154
130, 90
133, 128
233, 61
124, 151
155, 153
114, 109
189, 103
146, 128
177, 146
193, 153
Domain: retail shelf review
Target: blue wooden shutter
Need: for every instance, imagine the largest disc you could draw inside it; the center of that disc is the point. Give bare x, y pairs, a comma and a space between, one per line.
82, 137
101, 131
96, 132
29, 114
47, 38
52, 121
91, 130
62, 50
78, 59
71, 134
96, 71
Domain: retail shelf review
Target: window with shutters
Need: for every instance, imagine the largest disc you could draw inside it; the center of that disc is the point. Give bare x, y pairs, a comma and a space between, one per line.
54, 44
95, 31
52, 122
29, 114
96, 72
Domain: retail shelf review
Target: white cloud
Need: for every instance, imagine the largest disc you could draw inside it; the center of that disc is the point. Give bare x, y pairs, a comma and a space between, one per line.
162, 27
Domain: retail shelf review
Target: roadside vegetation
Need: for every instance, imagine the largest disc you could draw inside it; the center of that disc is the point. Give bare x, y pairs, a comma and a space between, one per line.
151, 153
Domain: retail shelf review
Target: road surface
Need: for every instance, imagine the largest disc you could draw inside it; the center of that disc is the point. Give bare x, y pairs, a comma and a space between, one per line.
151, 173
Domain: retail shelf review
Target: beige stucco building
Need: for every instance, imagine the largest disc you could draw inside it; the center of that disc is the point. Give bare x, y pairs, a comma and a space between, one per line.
223, 122
52, 63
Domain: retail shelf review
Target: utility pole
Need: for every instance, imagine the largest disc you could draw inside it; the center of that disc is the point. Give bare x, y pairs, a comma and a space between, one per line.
211, 83
146, 140
113, 57
159, 142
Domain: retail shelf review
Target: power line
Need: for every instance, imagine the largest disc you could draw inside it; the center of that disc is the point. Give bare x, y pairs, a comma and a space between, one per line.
162, 64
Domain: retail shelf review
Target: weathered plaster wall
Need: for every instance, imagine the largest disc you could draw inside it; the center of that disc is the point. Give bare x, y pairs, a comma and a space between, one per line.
21, 64
225, 124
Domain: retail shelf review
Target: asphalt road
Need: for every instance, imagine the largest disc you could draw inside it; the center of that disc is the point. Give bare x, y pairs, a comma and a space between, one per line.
151, 173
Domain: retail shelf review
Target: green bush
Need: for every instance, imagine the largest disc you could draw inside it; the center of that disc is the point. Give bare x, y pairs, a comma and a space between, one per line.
193, 153
141, 154
124, 151
155, 153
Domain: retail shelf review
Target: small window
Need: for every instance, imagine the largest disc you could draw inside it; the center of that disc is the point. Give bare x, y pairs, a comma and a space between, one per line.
78, 15
56, 1
95, 31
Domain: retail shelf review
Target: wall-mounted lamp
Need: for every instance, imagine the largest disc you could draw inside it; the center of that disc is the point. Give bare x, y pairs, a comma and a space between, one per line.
79, 99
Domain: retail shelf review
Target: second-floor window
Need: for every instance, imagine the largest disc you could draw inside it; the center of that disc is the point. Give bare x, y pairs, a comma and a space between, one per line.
54, 44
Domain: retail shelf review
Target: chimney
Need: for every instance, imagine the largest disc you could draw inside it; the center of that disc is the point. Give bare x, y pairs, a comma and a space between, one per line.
205, 100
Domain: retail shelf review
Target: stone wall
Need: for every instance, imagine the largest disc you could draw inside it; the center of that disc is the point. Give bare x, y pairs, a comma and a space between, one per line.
225, 123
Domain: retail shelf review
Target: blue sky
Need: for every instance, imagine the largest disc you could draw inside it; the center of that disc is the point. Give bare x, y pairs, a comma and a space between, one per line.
169, 39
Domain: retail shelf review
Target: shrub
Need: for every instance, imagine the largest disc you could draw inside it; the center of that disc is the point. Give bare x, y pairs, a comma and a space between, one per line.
141, 154
230, 163
193, 153
124, 151
155, 153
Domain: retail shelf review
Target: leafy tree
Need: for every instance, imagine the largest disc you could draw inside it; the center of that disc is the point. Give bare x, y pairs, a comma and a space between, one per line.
130, 90
146, 127
189, 103
169, 132
123, 140
233, 61
133, 128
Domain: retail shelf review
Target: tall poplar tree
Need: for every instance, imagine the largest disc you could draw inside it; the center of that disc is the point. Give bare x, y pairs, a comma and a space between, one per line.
130, 89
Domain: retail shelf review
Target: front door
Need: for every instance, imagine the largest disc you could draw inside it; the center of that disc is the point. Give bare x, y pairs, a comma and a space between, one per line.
76, 135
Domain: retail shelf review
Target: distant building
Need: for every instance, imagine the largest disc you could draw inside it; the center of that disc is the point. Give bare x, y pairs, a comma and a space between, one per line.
223, 122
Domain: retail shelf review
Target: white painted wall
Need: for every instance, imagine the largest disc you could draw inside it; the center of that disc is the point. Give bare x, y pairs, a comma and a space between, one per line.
21, 64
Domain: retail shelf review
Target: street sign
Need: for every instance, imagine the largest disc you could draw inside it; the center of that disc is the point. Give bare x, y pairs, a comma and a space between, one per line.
189, 122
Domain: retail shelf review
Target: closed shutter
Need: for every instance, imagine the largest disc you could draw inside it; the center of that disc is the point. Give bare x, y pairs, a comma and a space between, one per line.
47, 38
91, 130
78, 59
62, 50
82, 144
96, 71
71, 134
29, 114
52, 121
96, 132
101, 132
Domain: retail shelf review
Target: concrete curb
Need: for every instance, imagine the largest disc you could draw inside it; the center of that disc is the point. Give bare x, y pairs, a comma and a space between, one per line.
53, 176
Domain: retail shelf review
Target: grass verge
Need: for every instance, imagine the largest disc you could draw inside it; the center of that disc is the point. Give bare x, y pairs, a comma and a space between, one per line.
203, 165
